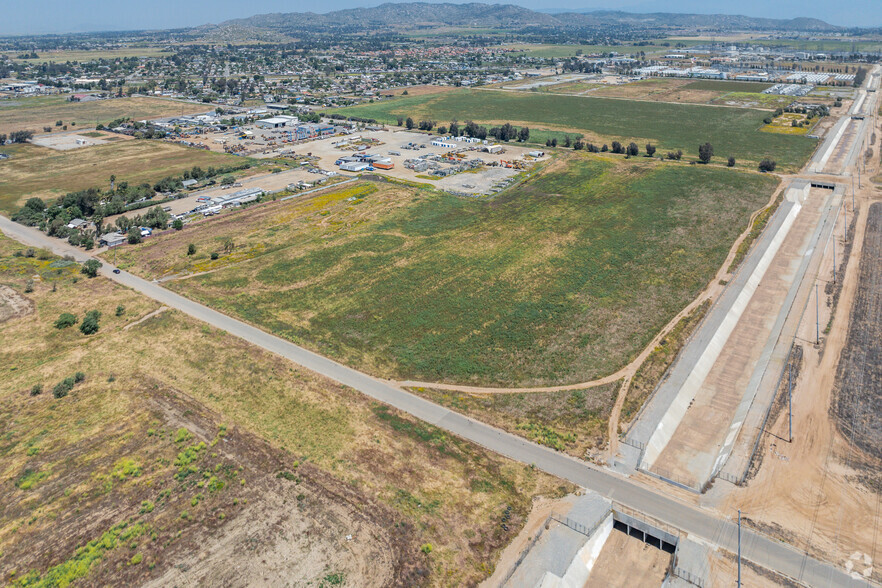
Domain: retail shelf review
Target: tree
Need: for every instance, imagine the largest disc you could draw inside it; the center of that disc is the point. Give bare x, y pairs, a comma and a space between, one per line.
604, 149
191, 249
120, 310
650, 150
767, 165
731, 162
409, 123
578, 145
91, 267
400, 122
705, 152
228, 181
133, 236
523, 134
633, 149
567, 142
454, 128
90, 325
178, 224
65, 320
617, 147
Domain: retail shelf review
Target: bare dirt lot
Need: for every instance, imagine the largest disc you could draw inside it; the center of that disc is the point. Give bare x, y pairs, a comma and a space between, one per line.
13, 304
625, 561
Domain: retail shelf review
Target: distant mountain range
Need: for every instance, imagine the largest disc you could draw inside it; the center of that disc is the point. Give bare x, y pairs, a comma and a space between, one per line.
390, 17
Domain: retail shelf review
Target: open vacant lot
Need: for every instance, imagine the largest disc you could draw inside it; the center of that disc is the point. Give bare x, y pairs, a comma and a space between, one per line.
859, 377
46, 173
83, 55
44, 111
559, 280
732, 131
155, 466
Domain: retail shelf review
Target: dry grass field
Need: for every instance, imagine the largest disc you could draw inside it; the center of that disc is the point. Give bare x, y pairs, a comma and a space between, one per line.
182, 455
44, 111
46, 173
84, 55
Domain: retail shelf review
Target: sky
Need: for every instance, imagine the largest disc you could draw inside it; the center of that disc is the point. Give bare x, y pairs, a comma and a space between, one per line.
64, 16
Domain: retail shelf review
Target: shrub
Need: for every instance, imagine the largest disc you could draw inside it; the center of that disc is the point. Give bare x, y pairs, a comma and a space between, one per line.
65, 320
191, 249
120, 310
136, 559
767, 165
91, 267
36, 389
178, 224
214, 255
79, 377
426, 548
90, 324
133, 237
731, 162
63, 387
705, 152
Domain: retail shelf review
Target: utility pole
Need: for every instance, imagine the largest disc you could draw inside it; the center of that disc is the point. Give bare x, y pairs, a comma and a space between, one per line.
834, 259
817, 315
845, 212
739, 548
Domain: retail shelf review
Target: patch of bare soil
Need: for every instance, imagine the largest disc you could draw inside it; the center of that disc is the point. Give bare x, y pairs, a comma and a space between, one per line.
13, 305
626, 561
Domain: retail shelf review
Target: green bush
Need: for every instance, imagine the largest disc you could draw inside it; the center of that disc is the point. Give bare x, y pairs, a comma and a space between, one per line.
90, 324
120, 310
36, 389
63, 387
191, 249
91, 267
214, 255
65, 320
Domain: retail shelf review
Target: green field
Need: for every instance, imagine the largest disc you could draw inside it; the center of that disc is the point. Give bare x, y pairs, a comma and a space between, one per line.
732, 131
46, 173
560, 280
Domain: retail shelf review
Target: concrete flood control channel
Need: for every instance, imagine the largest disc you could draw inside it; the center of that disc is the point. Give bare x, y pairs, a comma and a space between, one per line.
689, 427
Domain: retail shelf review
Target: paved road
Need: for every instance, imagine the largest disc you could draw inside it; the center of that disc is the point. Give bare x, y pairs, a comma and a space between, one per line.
701, 523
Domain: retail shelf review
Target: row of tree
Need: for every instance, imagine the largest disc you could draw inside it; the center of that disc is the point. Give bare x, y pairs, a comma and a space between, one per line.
16, 137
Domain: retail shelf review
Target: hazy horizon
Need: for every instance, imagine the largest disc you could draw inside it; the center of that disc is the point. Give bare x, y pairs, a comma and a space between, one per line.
56, 17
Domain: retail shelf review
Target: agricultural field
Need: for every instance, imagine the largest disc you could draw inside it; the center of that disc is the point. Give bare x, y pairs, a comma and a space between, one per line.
559, 280
34, 113
46, 173
127, 460
732, 131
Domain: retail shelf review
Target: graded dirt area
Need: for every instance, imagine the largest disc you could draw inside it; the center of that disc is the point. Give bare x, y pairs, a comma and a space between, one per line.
13, 304
626, 561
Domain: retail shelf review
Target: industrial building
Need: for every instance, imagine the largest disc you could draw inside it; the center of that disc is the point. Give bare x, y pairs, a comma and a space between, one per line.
277, 122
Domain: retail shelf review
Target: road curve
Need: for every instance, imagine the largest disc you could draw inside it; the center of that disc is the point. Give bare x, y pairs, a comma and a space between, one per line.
700, 523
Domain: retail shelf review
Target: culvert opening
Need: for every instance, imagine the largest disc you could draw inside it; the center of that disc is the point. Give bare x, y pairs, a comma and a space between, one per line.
647, 534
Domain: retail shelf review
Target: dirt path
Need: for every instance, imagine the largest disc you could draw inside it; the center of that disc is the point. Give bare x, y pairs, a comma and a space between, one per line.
147, 316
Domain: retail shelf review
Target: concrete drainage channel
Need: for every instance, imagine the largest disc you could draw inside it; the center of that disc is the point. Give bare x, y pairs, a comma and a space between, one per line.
717, 393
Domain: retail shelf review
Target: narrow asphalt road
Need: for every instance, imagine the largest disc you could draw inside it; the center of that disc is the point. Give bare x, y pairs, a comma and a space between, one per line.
700, 523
